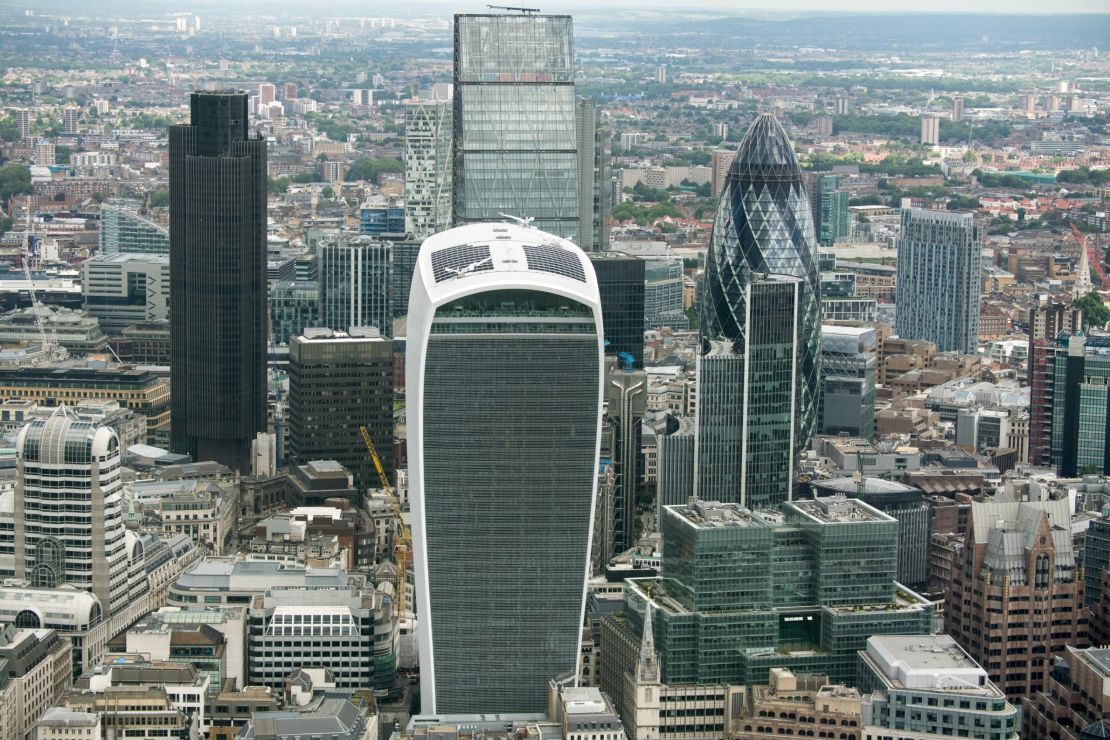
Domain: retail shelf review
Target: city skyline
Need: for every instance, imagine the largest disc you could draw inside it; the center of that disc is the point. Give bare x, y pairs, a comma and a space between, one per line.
604, 371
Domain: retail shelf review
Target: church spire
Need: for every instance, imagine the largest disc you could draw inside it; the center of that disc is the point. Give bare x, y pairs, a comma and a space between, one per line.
647, 670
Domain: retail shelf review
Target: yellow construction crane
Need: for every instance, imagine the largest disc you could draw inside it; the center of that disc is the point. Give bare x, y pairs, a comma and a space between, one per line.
404, 543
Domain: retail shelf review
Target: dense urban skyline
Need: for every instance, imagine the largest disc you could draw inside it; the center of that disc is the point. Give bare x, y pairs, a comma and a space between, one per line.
619, 371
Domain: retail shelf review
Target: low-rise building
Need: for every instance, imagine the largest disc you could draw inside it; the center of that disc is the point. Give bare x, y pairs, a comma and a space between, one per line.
928, 685
207, 514
232, 709
124, 288
337, 716
75, 330
350, 631
794, 705
186, 688
231, 581
35, 669
140, 712
1076, 699
60, 723
140, 390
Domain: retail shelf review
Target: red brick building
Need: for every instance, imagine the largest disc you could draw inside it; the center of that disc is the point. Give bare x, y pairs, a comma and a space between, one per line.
1077, 697
1016, 597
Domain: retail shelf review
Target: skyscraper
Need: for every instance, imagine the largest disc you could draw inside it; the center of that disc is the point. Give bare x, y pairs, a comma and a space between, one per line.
1072, 427
1015, 599
69, 528
626, 401
620, 281
217, 280
1047, 319
746, 422
515, 143
339, 381
594, 149
70, 116
832, 222
722, 163
763, 226
23, 121
939, 254
355, 277
504, 375
427, 167
957, 108
930, 130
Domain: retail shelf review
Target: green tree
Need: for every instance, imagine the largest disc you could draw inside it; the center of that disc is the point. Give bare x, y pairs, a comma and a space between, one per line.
62, 154
14, 179
277, 185
9, 130
327, 192
370, 168
160, 198
5, 224
1095, 312
303, 177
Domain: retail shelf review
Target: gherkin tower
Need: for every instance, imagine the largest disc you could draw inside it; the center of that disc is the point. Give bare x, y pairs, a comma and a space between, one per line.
762, 237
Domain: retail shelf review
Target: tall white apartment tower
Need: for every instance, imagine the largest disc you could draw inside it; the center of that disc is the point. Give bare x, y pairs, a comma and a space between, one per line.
939, 258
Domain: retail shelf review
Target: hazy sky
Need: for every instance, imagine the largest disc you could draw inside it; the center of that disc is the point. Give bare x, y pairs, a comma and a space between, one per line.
881, 6
738, 7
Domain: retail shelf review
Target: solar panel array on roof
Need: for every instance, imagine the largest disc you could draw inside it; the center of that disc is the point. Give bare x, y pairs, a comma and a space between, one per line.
545, 258
454, 261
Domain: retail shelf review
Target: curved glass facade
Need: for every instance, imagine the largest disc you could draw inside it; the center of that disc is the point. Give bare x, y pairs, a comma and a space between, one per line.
764, 226
504, 375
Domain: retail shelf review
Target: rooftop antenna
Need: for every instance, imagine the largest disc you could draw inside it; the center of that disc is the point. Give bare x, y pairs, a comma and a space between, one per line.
525, 11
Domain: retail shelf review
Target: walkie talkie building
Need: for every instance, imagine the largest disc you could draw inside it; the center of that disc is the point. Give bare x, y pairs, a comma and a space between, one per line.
504, 376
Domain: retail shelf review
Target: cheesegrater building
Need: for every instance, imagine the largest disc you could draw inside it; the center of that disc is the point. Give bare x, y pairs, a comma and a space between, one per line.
760, 326
217, 280
504, 375
515, 134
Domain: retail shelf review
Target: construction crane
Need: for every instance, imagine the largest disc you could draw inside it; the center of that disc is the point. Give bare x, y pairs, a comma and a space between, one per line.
404, 543
52, 350
525, 11
1093, 260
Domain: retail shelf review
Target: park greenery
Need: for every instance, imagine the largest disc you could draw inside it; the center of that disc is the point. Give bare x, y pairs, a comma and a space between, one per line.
15, 179
370, 168
1083, 176
1095, 313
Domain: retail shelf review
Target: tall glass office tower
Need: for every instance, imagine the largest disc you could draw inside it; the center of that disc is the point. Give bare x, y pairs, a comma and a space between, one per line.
504, 375
515, 138
356, 283
217, 280
746, 412
763, 232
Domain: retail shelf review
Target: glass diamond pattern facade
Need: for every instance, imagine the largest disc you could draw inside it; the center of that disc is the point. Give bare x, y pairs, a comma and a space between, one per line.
764, 225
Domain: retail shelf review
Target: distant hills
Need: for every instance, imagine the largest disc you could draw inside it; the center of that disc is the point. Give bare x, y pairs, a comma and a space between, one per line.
879, 31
